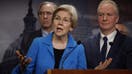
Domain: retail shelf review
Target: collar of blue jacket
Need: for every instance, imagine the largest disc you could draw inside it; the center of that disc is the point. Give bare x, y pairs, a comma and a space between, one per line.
48, 40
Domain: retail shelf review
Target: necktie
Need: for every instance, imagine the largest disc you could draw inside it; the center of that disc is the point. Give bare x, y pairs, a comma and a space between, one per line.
104, 49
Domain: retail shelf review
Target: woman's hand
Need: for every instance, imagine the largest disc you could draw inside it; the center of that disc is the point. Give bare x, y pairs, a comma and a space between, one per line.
23, 60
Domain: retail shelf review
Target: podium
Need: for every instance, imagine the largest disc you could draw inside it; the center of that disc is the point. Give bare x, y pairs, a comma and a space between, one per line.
56, 71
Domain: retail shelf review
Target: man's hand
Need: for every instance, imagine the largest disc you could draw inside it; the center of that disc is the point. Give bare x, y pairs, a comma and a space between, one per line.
23, 60
103, 65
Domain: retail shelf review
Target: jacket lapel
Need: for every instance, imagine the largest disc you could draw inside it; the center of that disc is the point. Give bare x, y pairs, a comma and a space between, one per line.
48, 42
115, 47
70, 45
98, 48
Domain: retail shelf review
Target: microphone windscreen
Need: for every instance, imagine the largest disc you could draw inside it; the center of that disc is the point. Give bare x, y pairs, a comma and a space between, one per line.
78, 42
111, 43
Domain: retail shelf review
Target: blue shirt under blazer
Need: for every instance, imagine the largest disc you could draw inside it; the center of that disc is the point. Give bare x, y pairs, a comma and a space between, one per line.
42, 54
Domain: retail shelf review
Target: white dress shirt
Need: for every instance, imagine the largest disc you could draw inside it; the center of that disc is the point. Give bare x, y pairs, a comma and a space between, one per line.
110, 38
44, 33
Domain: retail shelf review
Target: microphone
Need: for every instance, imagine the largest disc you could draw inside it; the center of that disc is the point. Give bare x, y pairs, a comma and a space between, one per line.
110, 43
79, 42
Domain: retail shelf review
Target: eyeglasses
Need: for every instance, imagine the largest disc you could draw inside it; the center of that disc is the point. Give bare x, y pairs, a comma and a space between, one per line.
64, 20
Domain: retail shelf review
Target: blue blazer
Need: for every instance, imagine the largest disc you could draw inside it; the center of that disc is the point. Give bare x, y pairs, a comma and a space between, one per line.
120, 52
42, 54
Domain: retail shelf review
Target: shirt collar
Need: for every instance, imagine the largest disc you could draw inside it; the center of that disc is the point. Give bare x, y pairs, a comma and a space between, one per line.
110, 37
44, 33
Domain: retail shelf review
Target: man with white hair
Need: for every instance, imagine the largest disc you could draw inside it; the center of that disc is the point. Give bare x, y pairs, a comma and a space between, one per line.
109, 43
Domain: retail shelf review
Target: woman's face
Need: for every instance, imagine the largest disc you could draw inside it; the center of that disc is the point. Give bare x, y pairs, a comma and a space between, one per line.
62, 23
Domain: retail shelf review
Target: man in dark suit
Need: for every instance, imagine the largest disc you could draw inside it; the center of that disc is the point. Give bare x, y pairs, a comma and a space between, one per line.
109, 43
45, 13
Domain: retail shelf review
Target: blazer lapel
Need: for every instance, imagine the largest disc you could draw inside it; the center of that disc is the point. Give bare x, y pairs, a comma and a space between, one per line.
96, 49
115, 47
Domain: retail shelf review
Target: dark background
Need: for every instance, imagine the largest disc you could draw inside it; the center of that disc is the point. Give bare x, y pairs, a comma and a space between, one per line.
12, 13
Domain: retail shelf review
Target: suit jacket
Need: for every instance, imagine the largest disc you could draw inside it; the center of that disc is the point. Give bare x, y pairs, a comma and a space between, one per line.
42, 54
27, 40
120, 52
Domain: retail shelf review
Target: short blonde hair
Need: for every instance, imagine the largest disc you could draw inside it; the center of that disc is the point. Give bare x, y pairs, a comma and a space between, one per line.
109, 2
71, 9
